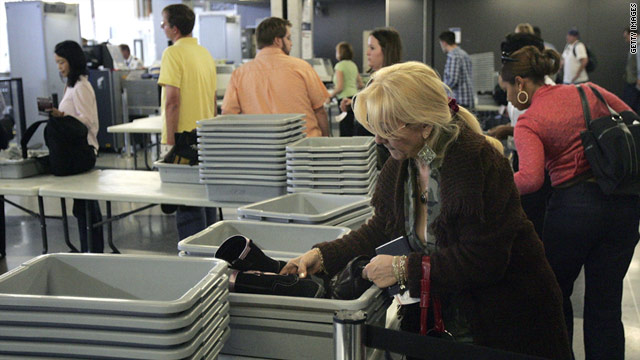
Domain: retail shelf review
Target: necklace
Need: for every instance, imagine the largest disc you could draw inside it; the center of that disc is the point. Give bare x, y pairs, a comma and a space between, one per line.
423, 197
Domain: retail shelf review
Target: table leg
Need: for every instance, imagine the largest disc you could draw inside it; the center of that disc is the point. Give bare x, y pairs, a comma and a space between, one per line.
65, 225
135, 152
157, 146
3, 232
146, 140
110, 230
43, 225
89, 226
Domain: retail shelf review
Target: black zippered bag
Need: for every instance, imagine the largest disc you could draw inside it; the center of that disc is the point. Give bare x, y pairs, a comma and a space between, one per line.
612, 147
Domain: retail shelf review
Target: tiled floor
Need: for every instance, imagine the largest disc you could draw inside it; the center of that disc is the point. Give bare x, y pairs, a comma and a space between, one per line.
152, 231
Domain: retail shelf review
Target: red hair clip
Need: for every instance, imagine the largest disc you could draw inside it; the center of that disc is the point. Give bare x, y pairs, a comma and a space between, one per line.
453, 106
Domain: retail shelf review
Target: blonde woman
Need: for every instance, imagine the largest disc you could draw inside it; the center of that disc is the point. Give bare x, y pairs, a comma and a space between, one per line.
524, 28
452, 195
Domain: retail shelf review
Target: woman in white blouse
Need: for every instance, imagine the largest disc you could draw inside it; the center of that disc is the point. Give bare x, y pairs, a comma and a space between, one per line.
79, 101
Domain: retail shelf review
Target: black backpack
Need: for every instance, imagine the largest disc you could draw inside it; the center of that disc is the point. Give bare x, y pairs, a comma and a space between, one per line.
69, 150
592, 62
612, 147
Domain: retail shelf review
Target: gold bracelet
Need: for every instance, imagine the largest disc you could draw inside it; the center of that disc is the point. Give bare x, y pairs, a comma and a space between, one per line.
402, 264
319, 253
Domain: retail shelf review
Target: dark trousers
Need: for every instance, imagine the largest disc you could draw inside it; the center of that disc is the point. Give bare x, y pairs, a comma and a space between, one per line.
79, 211
347, 125
631, 96
585, 227
191, 219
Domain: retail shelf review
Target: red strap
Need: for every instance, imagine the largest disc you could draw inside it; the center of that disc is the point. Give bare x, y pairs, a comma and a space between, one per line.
425, 293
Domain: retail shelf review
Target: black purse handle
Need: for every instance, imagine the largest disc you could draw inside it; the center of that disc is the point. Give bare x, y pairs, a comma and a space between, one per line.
585, 104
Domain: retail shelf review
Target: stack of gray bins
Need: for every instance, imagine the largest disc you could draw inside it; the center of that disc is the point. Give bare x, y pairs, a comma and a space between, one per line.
283, 327
90, 306
336, 165
242, 157
311, 209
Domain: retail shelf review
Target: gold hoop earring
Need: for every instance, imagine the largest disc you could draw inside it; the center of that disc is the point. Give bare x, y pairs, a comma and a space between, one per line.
526, 97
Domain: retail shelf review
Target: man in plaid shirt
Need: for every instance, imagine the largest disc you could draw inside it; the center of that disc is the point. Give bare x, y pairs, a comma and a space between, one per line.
457, 70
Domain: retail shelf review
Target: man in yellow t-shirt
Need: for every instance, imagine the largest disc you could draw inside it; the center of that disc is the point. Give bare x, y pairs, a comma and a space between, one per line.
188, 80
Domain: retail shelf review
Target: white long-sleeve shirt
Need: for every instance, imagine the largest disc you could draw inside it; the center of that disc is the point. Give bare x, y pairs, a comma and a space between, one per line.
79, 101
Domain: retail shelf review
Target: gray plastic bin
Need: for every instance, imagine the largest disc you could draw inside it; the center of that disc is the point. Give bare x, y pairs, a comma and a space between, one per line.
339, 156
338, 220
251, 127
82, 320
252, 119
18, 169
277, 240
240, 142
214, 330
240, 153
177, 173
282, 327
216, 312
303, 208
245, 192
356, 222
333, 144
205, 135
105, 283
331, 177
323, 162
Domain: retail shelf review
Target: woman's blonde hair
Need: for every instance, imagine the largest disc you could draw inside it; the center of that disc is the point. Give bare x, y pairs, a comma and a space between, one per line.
410, 93
525, 28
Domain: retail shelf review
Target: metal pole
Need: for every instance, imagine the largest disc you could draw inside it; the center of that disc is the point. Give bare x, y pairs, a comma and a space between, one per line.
348, 335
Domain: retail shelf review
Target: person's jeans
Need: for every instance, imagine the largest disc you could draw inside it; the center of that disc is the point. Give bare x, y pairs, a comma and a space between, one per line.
79, 207
191, 219
631, 96
585, 227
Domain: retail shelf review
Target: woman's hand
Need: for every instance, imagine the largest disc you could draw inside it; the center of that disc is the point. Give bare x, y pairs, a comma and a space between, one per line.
501, 132
55, 112
380, 271
307, 263
345, 104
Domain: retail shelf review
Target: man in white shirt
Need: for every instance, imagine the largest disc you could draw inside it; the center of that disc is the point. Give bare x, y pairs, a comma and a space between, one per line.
131, 61
575, 59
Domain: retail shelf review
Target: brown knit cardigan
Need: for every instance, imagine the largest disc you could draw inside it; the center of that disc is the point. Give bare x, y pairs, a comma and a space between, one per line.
489, 254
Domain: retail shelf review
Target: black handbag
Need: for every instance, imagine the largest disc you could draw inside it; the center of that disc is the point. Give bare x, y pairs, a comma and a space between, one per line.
612, 147
185, 150
348, 284
69, 149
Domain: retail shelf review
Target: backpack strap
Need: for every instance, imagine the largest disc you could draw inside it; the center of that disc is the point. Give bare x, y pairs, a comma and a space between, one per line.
585, 106
28, 134
601, 98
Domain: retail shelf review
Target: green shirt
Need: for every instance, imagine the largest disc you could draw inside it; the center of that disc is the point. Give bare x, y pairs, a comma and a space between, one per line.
349, 78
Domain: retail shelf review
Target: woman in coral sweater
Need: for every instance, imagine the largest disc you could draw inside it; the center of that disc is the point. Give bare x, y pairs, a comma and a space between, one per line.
583, 226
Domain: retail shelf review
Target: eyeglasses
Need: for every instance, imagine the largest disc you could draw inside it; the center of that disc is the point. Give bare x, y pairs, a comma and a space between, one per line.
163, 24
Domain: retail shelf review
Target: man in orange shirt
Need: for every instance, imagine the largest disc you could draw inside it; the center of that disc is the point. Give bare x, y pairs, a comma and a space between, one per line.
276, 83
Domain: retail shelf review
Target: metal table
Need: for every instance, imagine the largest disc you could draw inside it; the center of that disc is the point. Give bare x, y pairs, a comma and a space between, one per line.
145, 126
127, 186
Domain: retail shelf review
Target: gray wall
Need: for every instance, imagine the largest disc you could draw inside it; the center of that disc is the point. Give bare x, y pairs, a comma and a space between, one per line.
407, 16
345, 20
250, 15
485, 23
